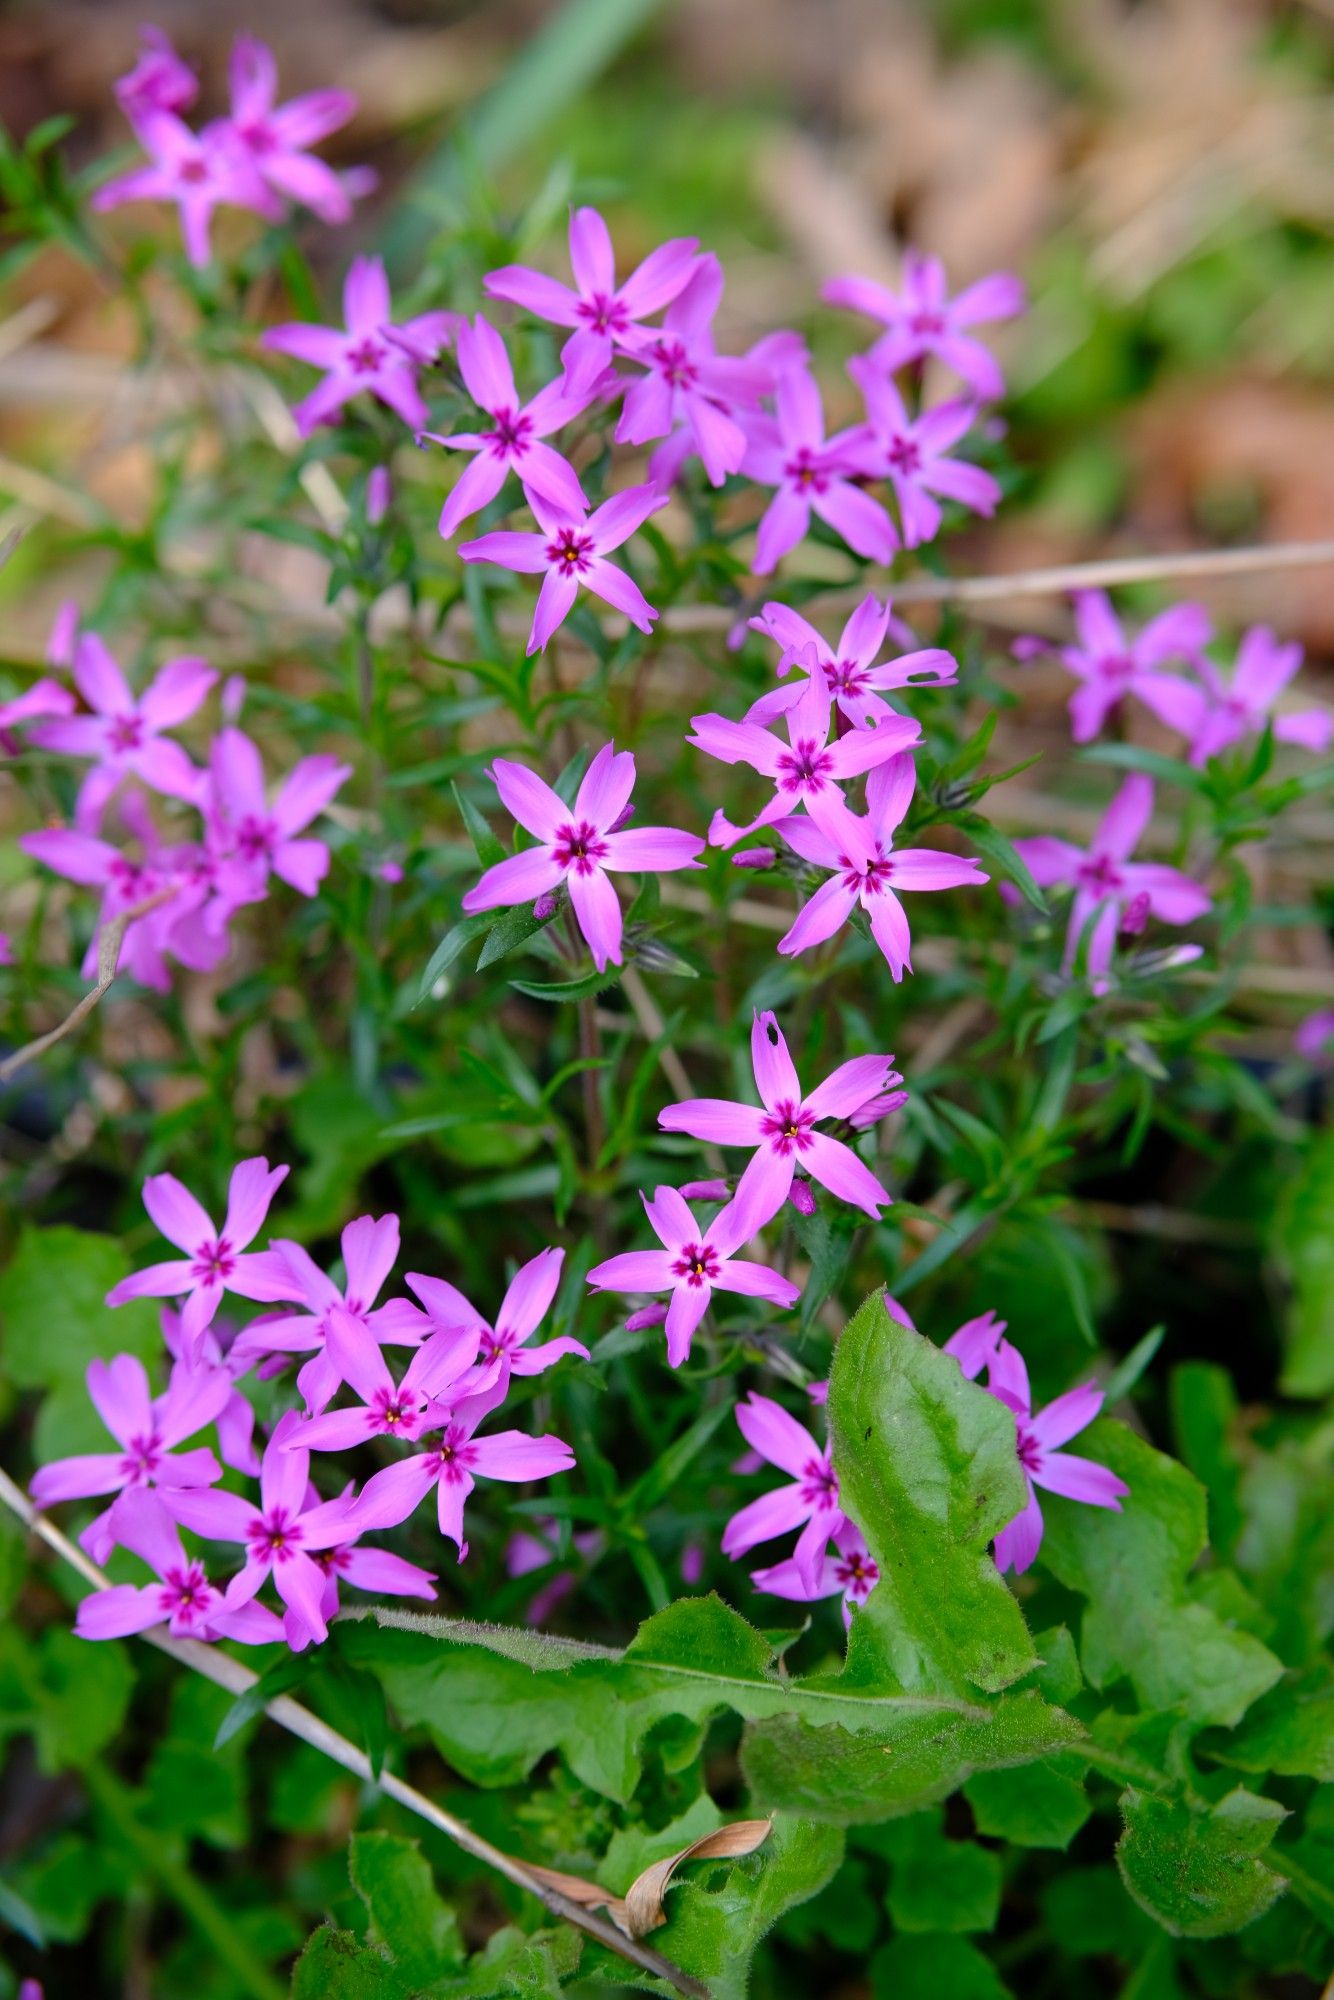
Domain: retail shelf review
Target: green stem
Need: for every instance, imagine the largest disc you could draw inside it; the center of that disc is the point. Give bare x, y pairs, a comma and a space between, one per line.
174, 1877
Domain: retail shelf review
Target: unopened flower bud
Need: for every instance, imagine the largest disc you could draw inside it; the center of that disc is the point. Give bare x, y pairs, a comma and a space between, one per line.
390, 871
692, 1563
801, 1197
623, 817
1135, 916
378, 490
706, 1191
754, 857
545, 906
233, 697
647, 1316
818, 1393
64, 632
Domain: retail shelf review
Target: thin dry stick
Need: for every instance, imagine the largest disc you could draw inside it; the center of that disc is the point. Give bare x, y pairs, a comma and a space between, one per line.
651, 1025
109, 941
298, 1721
1044, 582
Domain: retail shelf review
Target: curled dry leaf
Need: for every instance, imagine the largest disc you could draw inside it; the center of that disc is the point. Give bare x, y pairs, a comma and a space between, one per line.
640, 1909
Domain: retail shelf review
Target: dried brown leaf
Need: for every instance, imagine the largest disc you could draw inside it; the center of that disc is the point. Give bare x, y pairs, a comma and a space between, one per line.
640, 1910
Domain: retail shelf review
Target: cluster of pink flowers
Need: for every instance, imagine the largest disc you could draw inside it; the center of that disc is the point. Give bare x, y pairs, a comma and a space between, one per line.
258, 158
184, 891
459, 1372
1212, 711
696, 1259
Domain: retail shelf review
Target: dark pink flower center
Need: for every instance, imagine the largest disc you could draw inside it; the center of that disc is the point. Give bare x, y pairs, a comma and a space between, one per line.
870, 878
845, 676
512, 433
129, 881
1101, 874
366, 356
142, 1457
259, 137
698, 1263
1030, 1451
904, 455
256, 838
1118, 667
275, 1537
806, 474
571, 551
332, 1560
391, 1410
125, 732
857, 1574
499, 1340
673, 362
604, 313
788, 1128
193, 172
186, 1593
450, 1463
927, 322
213, 1263
580, 847
805, 767
819, 1483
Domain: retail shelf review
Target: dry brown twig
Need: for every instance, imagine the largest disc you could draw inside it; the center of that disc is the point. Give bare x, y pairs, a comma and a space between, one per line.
543, 1883
109, 941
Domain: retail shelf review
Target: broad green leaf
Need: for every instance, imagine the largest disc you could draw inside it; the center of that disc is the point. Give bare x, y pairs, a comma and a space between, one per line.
935, 1968
496, 1700
1040, 1805
1290, 1732
1143, 1620
335, 1966
937, 1884
719, 1911
1305, 1244
406, 1915
928, 1470
55, 1320
1198, 1871
71, 1697
514, 928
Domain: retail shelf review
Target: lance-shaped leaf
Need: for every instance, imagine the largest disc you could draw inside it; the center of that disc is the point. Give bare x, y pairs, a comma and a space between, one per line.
928, 1470
495, 1700
1144, 1619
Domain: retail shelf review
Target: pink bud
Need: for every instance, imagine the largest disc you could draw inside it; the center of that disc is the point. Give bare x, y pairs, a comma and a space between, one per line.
1315, 1034
1030, 648
390, 871
6, 949
801, 1197
64, 633
545, 906
754, 857
647, 1316
818, 1393
378, 490
876, 1108
623, 817
1135, 915
706, 1190
233, 696
692, 1562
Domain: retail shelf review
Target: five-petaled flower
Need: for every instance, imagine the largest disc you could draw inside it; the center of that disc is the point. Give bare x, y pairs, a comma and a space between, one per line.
1109, 664
810, 1502
847, 1569
572, 550
808, 769
856, 679
1216, 712
250, 837
370, 1247
1038, 1436
281, 1537
123, 734
1106, 881
913, 454
921, 319
216, 1260
182, 1599
388, 1409
369, 352
811, 474
579, 844
277, 138
522, 1310
783, 1133
147, 1428
868, 868
454, 1464
694, 1262
515, 441
604, 315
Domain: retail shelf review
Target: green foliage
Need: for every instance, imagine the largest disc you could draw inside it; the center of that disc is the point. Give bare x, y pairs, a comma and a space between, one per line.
1304, 1239
1200, 1872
